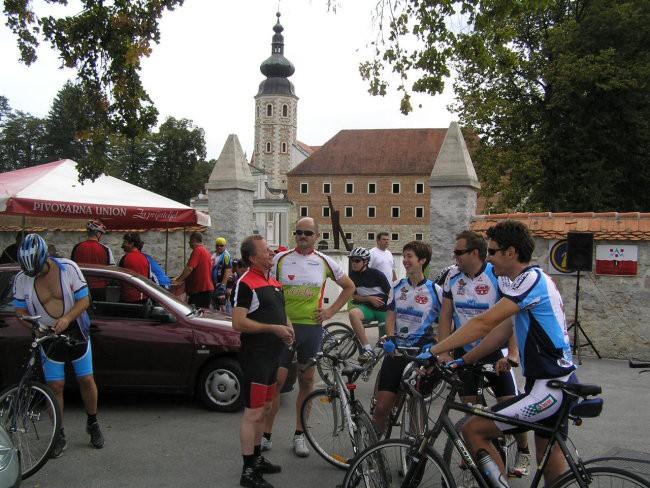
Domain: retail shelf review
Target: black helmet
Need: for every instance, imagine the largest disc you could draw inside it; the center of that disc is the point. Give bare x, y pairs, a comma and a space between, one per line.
32, 254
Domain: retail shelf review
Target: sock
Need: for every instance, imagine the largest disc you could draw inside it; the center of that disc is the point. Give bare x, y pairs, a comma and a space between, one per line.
299, 432
367, 347
257, 450
91, 419
249, 459
267, 435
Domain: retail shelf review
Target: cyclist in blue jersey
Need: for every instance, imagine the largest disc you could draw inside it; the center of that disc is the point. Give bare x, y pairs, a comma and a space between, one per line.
535, 304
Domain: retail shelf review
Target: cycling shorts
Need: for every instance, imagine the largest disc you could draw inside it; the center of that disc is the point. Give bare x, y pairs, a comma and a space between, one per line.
371, 314
539, 403
260, 377
309, 339
54, 355
502, 384
391, 372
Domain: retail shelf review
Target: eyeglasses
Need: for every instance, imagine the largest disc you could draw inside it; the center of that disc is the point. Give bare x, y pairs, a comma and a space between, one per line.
460, 252
307, 233
493, 251
356, 260
221, 245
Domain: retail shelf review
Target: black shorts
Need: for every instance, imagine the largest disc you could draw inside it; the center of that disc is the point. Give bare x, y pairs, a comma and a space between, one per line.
391, 372
260, 377
502, 384
309, 339
61, 352
201, 299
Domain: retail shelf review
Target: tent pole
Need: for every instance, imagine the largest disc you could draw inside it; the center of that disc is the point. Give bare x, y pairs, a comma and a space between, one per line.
166, 247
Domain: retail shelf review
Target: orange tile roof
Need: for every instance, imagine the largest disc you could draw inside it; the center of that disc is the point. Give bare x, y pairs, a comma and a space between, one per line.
615, 226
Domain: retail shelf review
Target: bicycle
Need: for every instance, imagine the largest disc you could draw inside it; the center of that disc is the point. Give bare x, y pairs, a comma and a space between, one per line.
506, 446
334, 420
381, 464
29, 410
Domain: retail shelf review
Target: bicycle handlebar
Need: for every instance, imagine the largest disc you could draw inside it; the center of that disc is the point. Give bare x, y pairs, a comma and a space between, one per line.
47, 332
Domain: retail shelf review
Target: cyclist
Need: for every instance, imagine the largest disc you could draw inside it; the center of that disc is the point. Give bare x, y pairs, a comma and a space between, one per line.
56, 290
413, 308
532, 299
369, 299
91, 251
470, 288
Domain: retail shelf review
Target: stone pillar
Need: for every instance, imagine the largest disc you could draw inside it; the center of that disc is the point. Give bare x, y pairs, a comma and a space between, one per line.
230, 190
454, 186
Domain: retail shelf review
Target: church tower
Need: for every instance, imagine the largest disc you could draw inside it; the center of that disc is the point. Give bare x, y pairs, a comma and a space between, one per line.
276, 114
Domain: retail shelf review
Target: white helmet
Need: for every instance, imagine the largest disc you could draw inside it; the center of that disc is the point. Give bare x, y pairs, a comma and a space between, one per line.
360, 252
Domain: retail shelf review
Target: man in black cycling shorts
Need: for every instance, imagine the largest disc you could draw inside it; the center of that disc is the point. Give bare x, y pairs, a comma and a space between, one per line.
56, 290
259, 314
531, 298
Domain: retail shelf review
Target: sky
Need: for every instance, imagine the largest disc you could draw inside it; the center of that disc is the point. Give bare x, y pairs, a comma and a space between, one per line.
206, 69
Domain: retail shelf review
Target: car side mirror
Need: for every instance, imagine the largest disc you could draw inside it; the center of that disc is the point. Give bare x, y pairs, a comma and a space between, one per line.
163, 315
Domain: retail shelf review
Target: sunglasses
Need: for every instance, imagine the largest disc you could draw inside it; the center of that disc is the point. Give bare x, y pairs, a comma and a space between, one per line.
460, 252
356, 260
307, 233
492, 252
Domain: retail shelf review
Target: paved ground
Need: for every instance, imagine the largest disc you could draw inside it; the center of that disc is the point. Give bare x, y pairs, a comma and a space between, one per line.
171, 441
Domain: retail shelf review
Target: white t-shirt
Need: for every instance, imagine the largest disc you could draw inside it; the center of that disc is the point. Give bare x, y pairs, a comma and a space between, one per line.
383, 261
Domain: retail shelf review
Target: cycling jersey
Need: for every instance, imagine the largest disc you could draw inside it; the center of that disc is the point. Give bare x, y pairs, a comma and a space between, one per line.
135, 261
303, 278
93, 252
417, 309
371, 282
220, 263
540, 325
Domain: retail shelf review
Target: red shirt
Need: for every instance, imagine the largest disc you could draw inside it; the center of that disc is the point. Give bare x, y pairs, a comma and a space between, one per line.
93, 252
200, 279
135, 261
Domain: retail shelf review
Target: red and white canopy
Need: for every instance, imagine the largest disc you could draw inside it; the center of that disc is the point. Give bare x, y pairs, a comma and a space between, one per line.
52, 191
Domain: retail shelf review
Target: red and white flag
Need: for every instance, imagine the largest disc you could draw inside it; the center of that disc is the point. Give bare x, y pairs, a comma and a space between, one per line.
618, 260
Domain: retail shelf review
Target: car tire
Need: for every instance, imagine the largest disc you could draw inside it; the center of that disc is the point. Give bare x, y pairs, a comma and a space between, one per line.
219, 385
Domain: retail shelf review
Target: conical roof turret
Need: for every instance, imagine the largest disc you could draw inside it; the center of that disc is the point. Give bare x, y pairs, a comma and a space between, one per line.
277, 68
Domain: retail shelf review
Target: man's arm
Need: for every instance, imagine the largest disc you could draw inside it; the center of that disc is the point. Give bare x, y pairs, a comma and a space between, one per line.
373, 300
478, 327
348, 290
186, 272
490, 342
242, 323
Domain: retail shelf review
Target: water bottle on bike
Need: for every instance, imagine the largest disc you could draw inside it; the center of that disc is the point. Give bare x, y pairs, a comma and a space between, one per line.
490, 469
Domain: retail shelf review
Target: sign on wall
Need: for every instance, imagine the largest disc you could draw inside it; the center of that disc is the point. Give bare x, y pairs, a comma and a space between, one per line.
557, 257
617, 260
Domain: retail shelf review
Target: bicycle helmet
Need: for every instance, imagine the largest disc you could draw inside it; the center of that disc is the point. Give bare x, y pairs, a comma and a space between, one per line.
442, 276
360, 252
32, 254
96, 226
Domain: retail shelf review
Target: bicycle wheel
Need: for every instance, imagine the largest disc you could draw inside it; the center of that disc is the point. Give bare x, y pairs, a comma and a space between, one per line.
604, 477
452, 459
32, 418
365, 434
332, 326
340, 343
326, 427
507, 447
380, 466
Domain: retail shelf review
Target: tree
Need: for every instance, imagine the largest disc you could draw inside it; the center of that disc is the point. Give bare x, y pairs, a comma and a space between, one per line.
557, 91
105, 43
21, 139
179, 170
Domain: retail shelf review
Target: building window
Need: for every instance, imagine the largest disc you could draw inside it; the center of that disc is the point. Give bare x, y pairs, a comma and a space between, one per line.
325, 236
419, 188
372, 188
348, 236
419, 212
396, 188
349, 188
284, 147
304, 211
326, 211
394, 236
269, 110
372, 212
285, 110
327, 188
268, 147
394, 212
371, 236
348, 212
419, 236
304, 188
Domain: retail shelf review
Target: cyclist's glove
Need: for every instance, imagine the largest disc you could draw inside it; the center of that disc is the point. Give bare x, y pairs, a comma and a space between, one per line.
426, 354
456, 363
390, 346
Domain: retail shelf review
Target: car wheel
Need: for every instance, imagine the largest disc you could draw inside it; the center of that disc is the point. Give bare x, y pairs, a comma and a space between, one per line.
220, 385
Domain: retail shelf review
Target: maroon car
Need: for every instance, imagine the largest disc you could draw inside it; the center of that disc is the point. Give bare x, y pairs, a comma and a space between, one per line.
163, 345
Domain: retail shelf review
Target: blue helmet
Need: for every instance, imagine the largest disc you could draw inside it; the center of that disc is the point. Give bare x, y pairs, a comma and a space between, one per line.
32, 254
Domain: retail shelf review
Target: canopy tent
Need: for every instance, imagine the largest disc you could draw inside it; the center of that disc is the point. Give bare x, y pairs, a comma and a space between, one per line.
50, 196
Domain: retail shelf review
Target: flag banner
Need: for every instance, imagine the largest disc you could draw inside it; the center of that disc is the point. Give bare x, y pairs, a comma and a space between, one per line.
617, 260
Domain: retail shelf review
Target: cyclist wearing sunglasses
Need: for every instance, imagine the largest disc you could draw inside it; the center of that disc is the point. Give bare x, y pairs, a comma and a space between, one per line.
303, 272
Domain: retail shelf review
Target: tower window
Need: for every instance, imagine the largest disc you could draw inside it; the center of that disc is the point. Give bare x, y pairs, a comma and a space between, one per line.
284, 148
285, 110
268, 147
269, 110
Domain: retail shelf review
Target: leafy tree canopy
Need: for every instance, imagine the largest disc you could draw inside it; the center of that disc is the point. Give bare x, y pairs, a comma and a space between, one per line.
557, 91
105, 43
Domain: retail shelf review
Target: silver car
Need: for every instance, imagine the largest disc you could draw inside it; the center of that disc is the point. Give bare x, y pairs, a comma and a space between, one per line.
9, 461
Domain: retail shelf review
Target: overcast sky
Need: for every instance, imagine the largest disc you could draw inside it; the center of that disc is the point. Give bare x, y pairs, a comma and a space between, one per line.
206, 69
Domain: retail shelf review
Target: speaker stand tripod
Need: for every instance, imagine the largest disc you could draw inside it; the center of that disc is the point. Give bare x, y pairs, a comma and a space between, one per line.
577, 329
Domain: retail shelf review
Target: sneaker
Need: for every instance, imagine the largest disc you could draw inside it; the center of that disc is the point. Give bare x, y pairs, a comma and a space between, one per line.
522, 463
96, 437
264, 466
267, 444
252, 479
366, 355
60, 445
300, 445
